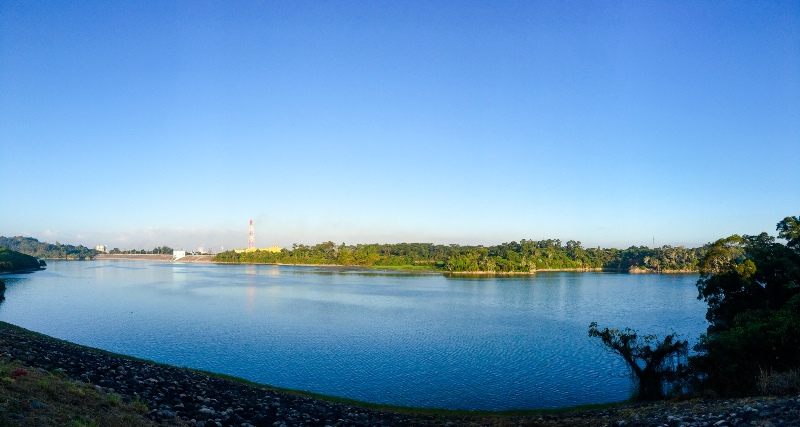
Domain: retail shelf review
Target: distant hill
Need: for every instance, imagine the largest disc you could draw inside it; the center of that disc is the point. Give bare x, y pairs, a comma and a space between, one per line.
15, 261
33, 247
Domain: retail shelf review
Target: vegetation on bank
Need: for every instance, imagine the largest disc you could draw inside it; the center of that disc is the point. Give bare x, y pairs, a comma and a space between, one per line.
522, 256
15, 261
158, 250
752, 346
33, 247
752, 287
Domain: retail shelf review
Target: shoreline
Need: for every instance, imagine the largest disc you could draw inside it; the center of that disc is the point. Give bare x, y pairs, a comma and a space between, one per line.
208, 259
130, 257
23, 271
184, 396
642, 271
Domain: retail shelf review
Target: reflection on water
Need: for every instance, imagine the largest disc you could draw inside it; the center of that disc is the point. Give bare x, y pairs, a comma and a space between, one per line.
497, 342
251, 298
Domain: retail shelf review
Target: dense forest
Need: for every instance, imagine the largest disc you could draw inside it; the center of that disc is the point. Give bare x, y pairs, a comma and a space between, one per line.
15, 261
33, 247
523, 256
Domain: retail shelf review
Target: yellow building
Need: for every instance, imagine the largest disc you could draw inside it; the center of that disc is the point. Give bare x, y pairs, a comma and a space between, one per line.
269, 249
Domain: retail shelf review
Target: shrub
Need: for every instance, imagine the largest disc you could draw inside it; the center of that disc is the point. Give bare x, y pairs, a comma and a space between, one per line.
779, 383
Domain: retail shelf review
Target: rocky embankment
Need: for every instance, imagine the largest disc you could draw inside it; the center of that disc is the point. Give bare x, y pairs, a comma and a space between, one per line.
177, 396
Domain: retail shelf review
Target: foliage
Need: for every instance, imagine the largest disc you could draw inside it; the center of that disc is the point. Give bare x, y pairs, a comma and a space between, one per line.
758, 340
523, 256
164, 250
779, 383
653, 363
752, 287
15, 261
33, 247
139, 405
789, 229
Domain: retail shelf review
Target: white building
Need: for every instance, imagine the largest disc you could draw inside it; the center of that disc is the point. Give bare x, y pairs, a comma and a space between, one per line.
101, 248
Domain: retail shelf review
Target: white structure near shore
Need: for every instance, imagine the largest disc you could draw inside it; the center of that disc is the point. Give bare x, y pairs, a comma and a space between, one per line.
176, 255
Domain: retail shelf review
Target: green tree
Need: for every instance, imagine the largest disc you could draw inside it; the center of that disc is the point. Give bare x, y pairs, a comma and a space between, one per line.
789, 229
752, 287
654, 363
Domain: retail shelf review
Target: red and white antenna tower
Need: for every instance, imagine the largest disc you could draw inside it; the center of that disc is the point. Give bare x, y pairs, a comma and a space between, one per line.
251, 239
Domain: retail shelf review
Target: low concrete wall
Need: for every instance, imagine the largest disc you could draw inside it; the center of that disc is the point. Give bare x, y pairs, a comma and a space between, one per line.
196, 258
148, 257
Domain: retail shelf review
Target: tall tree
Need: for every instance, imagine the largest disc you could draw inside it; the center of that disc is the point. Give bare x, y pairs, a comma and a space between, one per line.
752, 287
789, 229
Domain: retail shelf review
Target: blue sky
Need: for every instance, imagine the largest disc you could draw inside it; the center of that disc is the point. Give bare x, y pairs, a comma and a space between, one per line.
135, 124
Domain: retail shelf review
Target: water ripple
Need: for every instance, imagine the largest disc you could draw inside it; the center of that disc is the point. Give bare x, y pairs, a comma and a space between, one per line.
419, 340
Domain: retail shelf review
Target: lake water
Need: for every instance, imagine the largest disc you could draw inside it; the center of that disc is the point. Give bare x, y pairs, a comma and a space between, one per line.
420, 340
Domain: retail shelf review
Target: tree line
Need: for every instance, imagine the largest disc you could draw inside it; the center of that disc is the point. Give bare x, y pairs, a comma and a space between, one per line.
163, 250
35, 248
522, 256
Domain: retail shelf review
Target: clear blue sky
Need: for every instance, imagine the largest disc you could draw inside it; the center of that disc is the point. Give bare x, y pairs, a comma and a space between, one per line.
135, 124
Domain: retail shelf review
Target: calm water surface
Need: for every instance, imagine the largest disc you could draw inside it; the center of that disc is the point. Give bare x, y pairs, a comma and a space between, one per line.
401, 339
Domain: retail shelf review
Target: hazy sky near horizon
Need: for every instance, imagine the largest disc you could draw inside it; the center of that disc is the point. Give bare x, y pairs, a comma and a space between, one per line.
136, 124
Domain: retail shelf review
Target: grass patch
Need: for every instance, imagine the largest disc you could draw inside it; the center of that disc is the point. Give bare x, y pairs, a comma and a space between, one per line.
114, 399
32, 397
779, 383
140, 405
80, 422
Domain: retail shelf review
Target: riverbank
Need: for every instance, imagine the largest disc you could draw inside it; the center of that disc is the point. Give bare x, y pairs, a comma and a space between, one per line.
424, 269
646, 271
179, 396
209, 259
